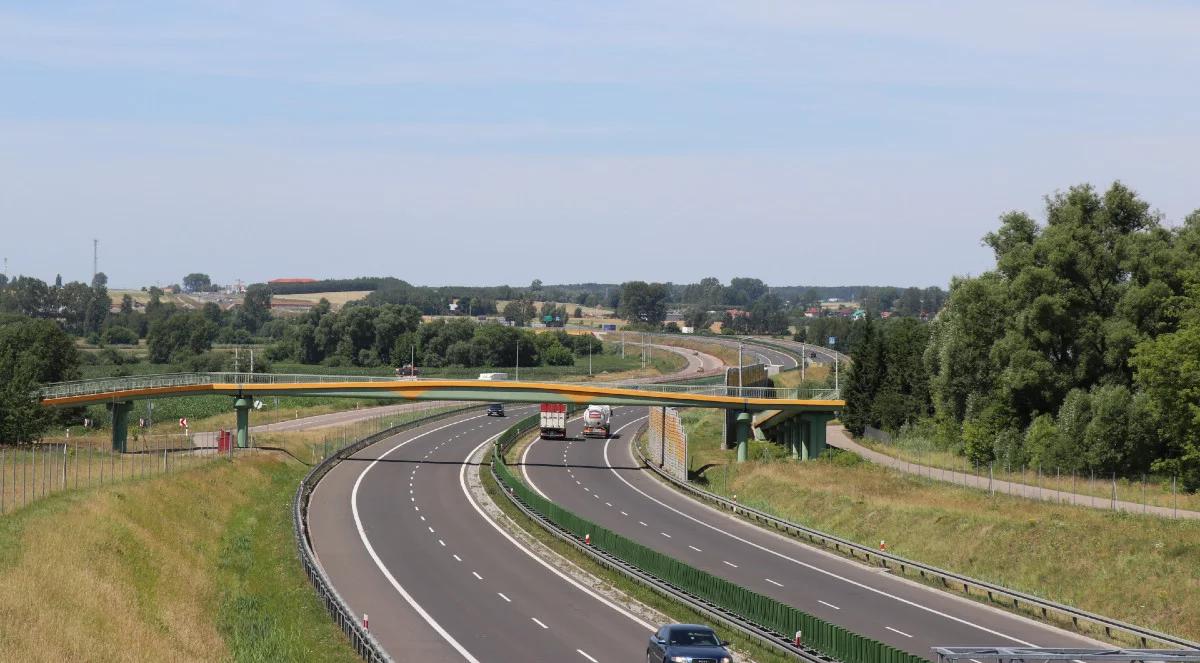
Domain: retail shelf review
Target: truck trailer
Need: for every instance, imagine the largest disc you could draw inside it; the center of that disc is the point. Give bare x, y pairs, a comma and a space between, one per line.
554, 421
596, 421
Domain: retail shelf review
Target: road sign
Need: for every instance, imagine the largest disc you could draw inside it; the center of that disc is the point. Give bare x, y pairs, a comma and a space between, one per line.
832, 340
183, 422
257, 405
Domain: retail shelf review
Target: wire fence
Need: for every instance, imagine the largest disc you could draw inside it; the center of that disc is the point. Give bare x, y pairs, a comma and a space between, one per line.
32, 472
1153, 495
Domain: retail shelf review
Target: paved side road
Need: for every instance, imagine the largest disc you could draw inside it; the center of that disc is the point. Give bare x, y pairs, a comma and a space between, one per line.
836, 436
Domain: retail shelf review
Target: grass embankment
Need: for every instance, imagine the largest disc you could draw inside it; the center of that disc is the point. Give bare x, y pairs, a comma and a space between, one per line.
1137, 569
815, 377
1155, 491
196, 566
673, 611
728, 355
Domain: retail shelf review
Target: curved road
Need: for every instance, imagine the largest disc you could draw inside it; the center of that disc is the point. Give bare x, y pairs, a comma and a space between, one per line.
601, 481
403, 541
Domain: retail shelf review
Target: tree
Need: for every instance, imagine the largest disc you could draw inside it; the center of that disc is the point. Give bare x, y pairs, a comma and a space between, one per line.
643, 302
197, 282
180, 336
100, 280
32, 353
520, 312
866, 374
255, 309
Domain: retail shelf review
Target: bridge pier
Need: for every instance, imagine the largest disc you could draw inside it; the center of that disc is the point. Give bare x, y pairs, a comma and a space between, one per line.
242, 407
120, 424
813, 425
743, 433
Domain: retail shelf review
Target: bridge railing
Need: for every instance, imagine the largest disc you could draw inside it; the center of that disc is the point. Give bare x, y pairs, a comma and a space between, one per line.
139, 382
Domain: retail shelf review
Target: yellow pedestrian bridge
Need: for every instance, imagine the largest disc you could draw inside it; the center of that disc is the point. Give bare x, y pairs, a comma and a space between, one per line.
119, 393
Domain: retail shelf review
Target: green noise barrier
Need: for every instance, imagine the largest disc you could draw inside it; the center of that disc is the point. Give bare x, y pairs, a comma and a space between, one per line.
829, 639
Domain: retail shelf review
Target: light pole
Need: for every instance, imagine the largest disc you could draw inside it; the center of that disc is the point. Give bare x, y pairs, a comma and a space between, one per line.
518, 378
740, 381
590, 355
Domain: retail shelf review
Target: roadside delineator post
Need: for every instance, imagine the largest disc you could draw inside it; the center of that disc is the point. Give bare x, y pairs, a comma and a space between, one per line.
587, 539
882, 545
796, 642
365, 622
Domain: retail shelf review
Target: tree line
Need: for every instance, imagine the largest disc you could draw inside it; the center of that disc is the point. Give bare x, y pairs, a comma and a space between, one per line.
1079, 350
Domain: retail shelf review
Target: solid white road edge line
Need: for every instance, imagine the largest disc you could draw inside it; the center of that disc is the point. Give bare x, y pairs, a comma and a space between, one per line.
806, 564
462, 482
362, 534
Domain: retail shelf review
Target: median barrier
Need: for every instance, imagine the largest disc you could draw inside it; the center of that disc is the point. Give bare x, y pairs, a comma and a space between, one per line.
777, 619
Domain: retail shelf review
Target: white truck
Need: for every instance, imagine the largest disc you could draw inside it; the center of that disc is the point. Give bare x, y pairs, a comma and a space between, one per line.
493, 376
553, 421
597, 420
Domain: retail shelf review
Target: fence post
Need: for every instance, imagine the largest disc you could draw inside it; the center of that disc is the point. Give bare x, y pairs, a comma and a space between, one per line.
1, 481
1114, 491
991, 489
64, 462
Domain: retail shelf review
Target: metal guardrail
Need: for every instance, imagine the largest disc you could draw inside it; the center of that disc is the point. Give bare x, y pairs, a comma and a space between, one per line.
1020, 600
612, 562
361, 640
132, 383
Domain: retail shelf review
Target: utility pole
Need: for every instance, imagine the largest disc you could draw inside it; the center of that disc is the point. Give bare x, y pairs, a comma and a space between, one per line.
836, 384
518, 378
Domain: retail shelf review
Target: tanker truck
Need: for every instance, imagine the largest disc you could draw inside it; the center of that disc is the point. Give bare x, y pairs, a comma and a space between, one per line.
596, 421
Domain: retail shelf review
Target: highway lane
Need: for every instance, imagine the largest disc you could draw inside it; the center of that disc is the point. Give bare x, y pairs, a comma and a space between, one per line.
402, 541
601, 481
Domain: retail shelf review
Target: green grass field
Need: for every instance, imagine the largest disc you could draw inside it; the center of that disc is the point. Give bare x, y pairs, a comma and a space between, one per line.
1137, 569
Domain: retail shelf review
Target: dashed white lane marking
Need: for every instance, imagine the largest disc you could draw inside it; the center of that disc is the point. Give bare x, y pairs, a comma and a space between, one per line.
817, 569
431, 530
423, 520
501, 595
362, 535
643, 524
695, 548
462, 483
898, 631
777, 584
587, 489
975, 660
595, 496
538, 622
665, 534
577, 482
828, 604
624, 514
417, 507
442, 542
730, 564
477, 576
585, 655
457, 558
609, 504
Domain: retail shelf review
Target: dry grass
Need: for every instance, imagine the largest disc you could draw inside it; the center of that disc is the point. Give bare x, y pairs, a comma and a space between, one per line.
336, 299
197, 566
727, 355
1129, 567
791, 379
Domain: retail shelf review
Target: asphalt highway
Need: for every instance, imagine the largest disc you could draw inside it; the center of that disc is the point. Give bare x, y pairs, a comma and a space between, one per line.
404, 542
600, 480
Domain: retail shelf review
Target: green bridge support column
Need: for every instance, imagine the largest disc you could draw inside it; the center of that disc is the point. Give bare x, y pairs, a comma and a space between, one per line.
803, 438
791, 432
743, 432
242, 407
120, 424
816, 433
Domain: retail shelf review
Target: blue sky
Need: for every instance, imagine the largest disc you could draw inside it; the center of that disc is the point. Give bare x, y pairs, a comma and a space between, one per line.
498, 142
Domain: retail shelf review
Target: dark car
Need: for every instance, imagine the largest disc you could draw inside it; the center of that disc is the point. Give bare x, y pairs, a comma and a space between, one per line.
495, 410
687, 642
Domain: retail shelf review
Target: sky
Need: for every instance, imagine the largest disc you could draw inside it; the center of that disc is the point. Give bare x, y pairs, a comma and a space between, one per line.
499, 142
